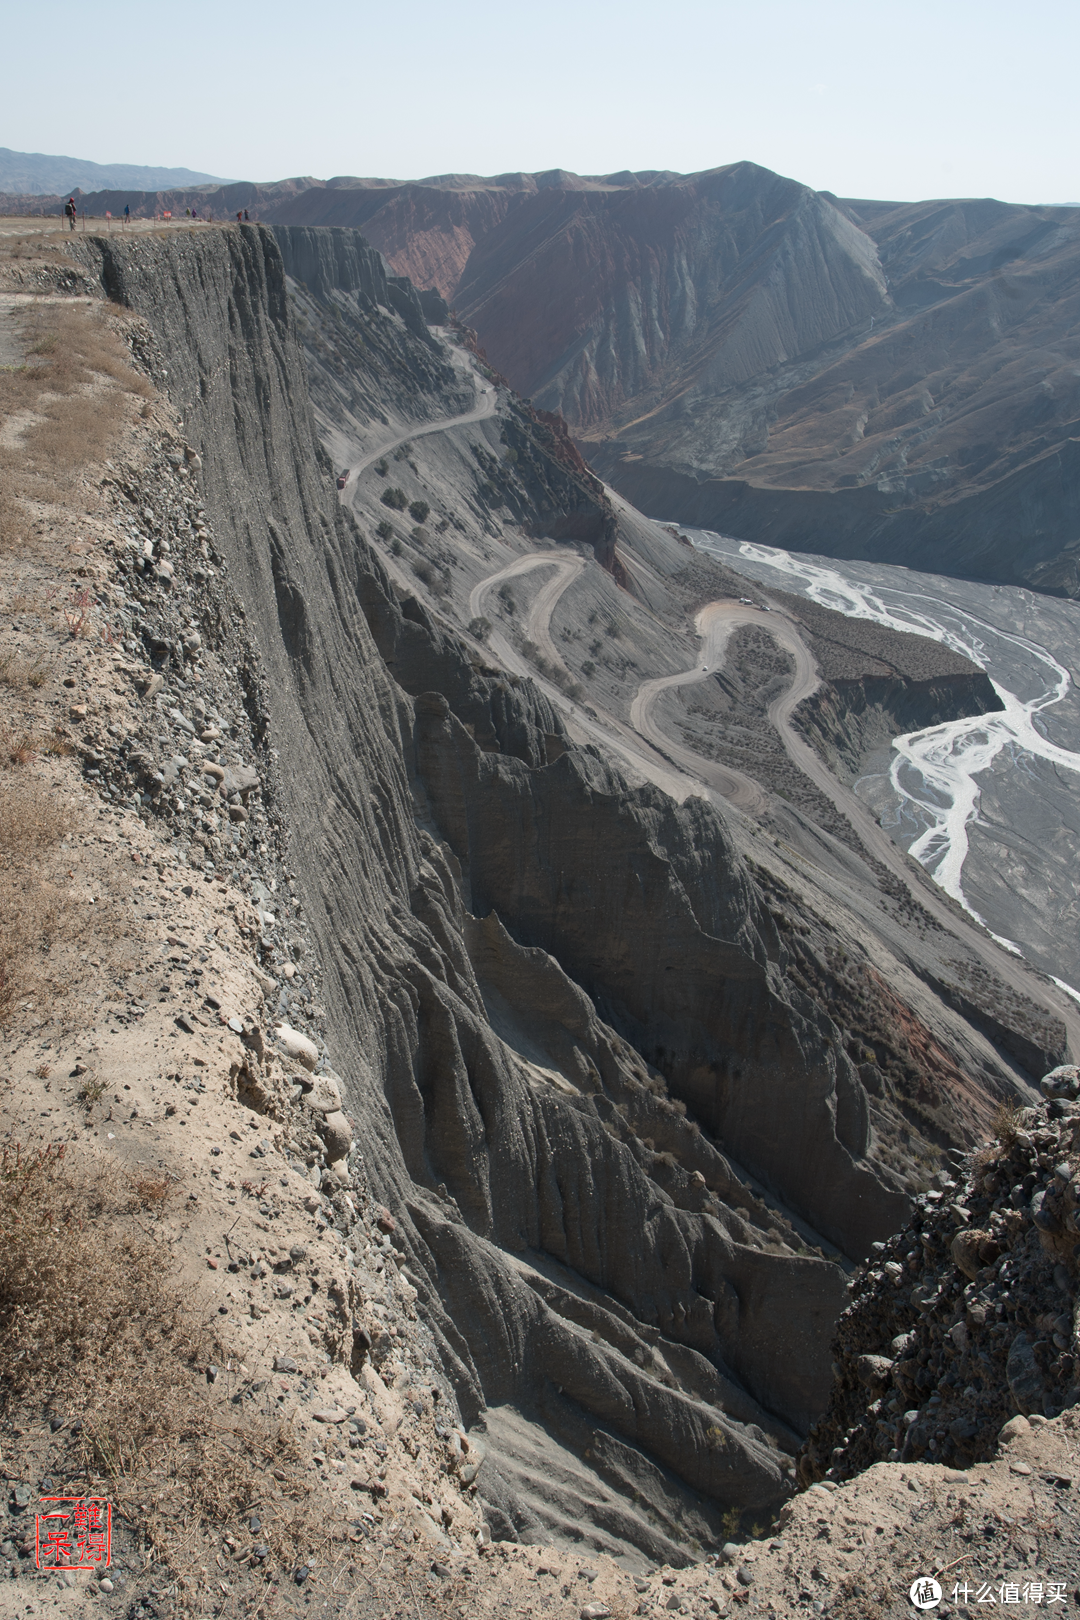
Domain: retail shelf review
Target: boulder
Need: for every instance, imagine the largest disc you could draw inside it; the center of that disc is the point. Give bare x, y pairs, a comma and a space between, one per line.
966, 1250
324, 1096
337, 1134
298, 1046
874, 1370
1064, 1081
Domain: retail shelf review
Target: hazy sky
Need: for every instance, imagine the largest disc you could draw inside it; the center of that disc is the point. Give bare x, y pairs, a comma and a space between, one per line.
929, 98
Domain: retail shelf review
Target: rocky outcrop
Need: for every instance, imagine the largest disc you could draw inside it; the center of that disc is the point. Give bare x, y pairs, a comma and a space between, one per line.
329, 261
967, 1318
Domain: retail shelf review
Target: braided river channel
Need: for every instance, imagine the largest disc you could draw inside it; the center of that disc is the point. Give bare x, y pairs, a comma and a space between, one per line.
990, 806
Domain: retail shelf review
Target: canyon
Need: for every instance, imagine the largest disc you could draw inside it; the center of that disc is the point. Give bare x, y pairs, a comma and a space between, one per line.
640, 1076
736, 351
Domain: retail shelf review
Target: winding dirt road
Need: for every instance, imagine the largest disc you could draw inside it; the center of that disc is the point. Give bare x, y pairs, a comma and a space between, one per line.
488, 399
715, 624
567, 566
715, 627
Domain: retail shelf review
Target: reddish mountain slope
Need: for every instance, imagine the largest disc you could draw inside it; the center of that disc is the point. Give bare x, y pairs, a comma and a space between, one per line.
889, 380
427, 232
607, 304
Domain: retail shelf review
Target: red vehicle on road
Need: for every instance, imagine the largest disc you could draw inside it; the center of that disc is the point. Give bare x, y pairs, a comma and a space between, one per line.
343, 478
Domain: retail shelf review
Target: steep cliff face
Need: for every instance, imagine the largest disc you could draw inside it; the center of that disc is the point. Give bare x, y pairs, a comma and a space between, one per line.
426, 231
847, 720
559, 1005
364, 370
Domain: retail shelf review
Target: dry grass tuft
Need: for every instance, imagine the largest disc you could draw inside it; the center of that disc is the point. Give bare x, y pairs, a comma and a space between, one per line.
69, 400
93, 1328
14, 524
19, 672
20, 745
31, 820
16, 746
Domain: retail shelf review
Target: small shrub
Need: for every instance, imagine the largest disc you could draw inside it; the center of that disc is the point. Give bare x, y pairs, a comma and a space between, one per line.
19, 672
382, 468
77, 612
419, 536
151, 1191
419, 511
1006, 1123
16, 747
588, 669
384, 530
394, 498
480, 628
396, 547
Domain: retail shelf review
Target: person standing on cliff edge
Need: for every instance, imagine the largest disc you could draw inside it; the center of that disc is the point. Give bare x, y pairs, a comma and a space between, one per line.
70, 210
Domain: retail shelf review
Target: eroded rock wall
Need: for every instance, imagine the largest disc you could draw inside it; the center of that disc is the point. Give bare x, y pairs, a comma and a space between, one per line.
530, 969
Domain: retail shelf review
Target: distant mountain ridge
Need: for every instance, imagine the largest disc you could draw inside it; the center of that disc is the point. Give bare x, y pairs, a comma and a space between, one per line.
887, 380
40, 174
732, 349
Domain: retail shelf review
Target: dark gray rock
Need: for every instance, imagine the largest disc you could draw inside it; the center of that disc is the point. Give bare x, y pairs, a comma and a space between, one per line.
1024, 1375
